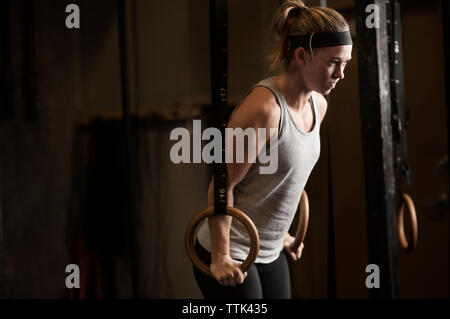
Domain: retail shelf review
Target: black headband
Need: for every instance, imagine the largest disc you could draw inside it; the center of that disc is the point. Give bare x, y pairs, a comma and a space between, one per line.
320, 40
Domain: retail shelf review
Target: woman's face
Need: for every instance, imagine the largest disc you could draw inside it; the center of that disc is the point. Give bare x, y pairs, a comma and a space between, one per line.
326, 68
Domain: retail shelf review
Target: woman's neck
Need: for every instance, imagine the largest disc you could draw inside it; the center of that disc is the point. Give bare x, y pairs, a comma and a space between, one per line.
294, 91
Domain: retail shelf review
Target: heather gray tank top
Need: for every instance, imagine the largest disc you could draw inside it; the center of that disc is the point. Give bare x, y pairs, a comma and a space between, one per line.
271, 200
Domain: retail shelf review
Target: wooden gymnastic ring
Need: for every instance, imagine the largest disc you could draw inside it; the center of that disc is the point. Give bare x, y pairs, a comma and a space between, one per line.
408, 246
189, 239
303, 219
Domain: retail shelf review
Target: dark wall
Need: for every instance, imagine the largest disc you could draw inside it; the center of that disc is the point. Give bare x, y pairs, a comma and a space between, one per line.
44, 162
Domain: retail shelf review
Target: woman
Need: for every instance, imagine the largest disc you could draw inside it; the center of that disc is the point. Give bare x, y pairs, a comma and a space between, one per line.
313, 46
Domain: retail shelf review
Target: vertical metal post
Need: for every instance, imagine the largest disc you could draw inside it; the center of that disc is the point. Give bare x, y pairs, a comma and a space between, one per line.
375, 107
2, 247
30, 78
6, 87
129, 149
446, 26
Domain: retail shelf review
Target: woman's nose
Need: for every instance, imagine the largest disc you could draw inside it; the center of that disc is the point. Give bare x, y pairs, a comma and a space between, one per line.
339, 73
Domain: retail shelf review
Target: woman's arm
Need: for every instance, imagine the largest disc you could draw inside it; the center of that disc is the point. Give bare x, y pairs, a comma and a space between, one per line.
258, 110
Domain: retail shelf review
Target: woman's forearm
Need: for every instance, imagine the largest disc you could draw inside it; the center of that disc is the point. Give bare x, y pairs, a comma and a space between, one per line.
219, 227
220, 236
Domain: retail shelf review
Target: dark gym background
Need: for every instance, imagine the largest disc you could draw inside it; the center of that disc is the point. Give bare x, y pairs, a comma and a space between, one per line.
61, 148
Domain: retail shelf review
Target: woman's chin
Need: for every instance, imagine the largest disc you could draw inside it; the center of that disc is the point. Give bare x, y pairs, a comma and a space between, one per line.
325, 91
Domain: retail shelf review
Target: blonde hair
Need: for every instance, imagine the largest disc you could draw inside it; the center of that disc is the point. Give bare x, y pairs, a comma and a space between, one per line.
294, 18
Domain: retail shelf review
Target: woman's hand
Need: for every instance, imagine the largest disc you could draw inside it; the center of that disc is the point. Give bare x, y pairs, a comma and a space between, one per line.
288, 241
227, 271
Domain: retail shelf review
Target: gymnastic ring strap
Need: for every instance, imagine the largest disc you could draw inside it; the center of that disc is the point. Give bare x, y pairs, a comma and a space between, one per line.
190, 237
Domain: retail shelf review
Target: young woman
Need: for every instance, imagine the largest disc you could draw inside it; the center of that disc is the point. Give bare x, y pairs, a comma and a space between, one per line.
313, 47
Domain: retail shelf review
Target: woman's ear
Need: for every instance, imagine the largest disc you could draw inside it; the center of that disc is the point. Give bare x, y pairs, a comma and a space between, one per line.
300, 56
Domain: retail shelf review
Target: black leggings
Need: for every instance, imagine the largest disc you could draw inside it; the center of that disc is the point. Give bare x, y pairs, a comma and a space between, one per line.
267, 281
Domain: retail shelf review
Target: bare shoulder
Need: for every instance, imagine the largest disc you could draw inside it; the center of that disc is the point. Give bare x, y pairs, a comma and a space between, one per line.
323, 105
258, 109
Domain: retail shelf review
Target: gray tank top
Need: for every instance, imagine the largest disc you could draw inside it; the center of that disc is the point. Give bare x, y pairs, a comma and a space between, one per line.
271, 200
